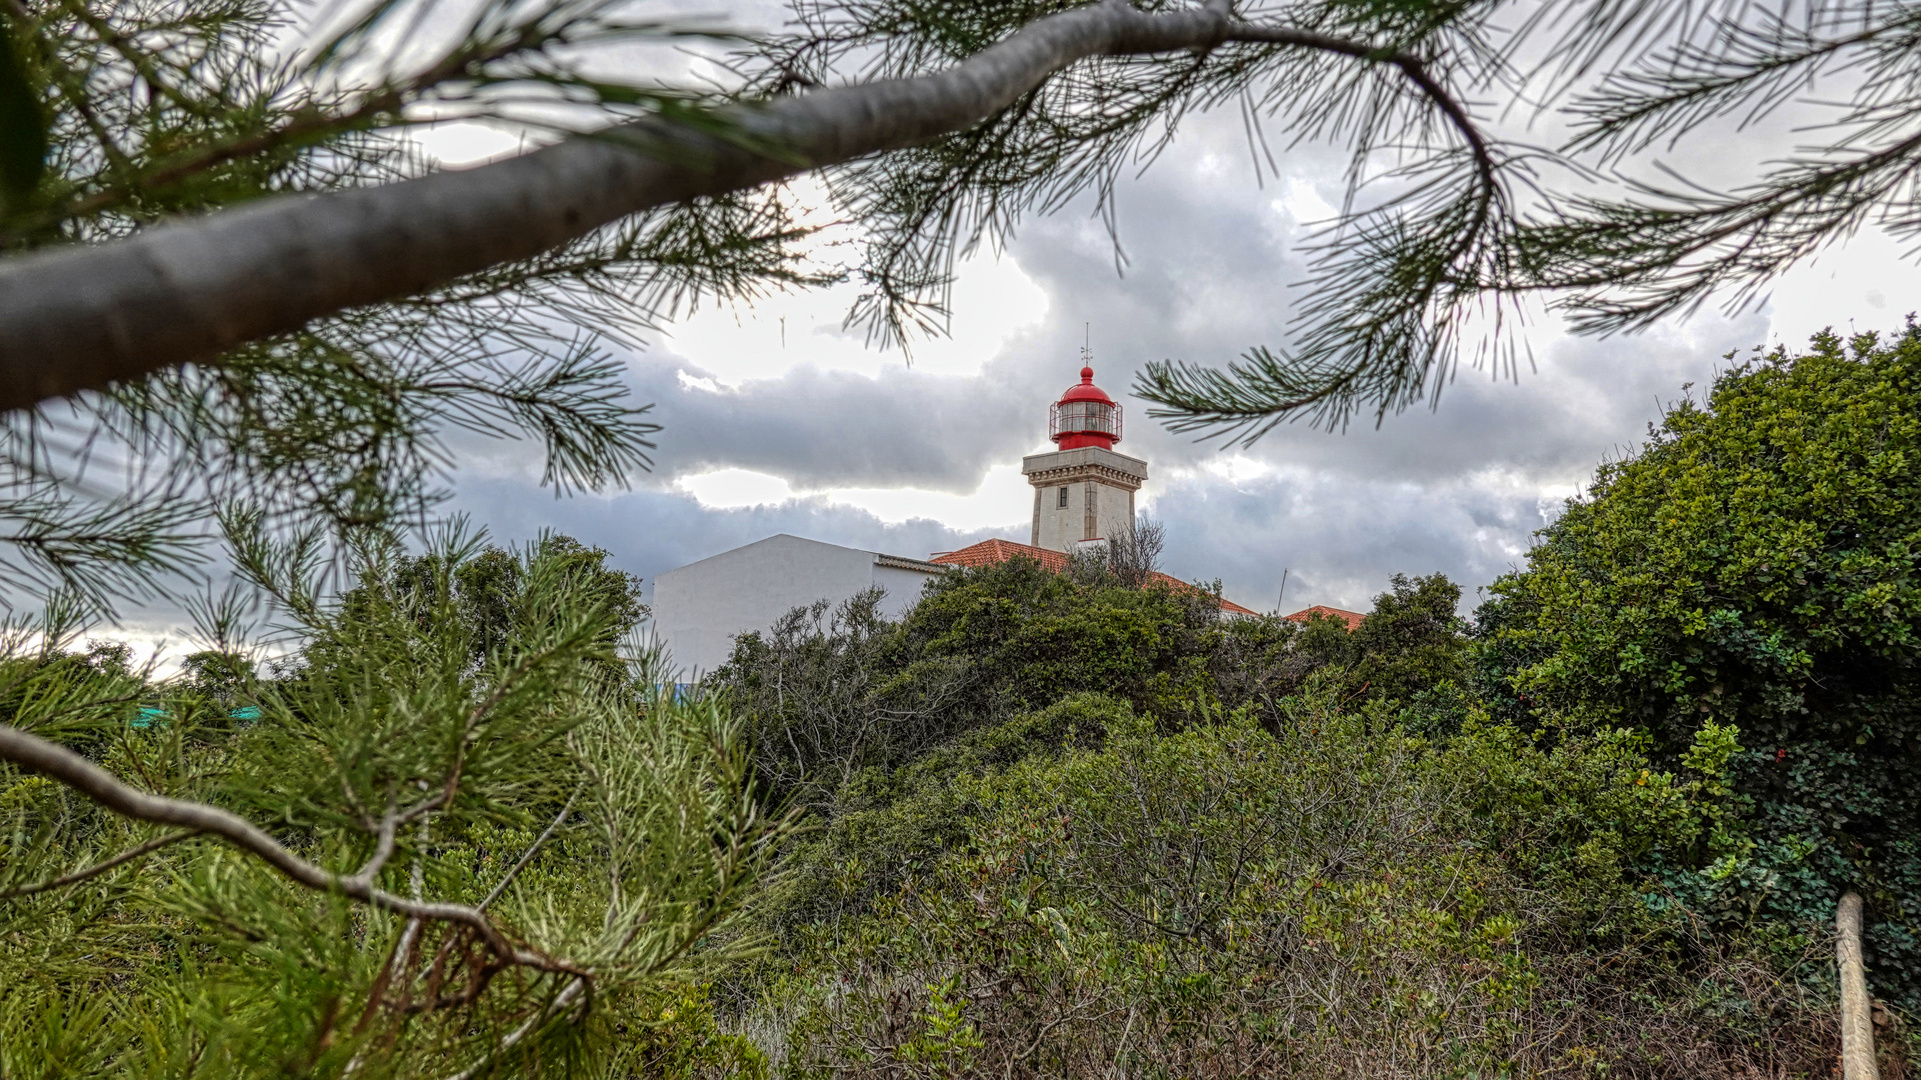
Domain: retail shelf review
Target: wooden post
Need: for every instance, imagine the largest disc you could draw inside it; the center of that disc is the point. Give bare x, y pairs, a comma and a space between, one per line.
1857, 1017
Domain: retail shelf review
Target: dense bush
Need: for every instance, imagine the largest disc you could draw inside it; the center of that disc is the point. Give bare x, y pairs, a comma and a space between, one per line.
1073, 824
1064, 824
1318, 900
832, 691
1752, 570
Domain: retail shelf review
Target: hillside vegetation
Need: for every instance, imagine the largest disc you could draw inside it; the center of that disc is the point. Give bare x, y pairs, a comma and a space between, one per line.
1062, 826
1045, 825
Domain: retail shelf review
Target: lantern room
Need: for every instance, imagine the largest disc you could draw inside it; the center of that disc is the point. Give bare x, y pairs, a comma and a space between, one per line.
1084, 416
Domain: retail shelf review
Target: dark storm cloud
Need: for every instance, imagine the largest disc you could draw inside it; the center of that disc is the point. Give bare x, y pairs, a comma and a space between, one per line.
1338, 540
820, 429
648, 532
811, 427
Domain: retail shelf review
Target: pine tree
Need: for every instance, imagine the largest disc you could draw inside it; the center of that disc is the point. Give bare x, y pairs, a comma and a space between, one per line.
454, 834
938, 127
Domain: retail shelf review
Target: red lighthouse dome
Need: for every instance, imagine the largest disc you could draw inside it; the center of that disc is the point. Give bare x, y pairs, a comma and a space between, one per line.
1084, 416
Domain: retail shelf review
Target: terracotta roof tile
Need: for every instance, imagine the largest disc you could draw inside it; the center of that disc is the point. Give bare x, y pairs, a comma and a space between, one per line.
1351, 618
991, 552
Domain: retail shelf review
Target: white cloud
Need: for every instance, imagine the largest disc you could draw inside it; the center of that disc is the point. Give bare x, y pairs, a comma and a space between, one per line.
994, 300
728, 489
1303, 203
464, 143
698, 382
1003, 501
1872, 283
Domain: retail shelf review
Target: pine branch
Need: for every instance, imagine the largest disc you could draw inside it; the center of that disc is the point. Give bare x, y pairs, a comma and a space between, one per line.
78, 319
77, 773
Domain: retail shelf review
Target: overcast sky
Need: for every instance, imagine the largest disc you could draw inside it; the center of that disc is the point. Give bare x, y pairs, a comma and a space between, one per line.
775, 420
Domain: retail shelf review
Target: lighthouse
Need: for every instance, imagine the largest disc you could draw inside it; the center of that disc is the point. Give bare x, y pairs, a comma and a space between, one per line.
1083, 495
1083, 489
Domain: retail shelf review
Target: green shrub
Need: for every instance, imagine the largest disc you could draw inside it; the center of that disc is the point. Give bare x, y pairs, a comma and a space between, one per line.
1752, 571
1328, 898
894, 825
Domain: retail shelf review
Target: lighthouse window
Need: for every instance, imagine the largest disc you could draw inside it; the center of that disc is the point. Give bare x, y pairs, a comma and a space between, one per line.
1063, 502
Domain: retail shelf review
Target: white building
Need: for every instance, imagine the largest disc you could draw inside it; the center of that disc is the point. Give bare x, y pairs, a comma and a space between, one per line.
699, 608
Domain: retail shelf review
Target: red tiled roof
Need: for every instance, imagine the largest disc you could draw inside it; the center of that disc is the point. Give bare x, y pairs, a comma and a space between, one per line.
990, 552
1351, 618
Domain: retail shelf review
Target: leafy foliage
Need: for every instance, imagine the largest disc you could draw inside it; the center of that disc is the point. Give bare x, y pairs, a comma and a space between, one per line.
1750, 572
1324, 899
1131, 830
1412, 642
832, 692
1408, 651
866, 723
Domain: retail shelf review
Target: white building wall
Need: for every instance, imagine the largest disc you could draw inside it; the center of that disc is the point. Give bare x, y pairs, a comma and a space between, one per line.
903, 588
700, 608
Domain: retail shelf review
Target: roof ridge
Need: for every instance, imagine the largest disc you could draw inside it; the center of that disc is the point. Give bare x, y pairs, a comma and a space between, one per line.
1353, 619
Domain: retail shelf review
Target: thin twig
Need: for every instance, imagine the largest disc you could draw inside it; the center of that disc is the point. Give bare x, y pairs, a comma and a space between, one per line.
96, 869
383, 846
561, 1001
528, 855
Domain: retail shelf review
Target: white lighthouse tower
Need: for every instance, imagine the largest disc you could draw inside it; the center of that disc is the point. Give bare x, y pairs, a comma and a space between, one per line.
1084, 490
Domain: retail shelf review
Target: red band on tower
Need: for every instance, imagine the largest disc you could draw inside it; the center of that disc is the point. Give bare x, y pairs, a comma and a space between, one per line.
1084, 416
